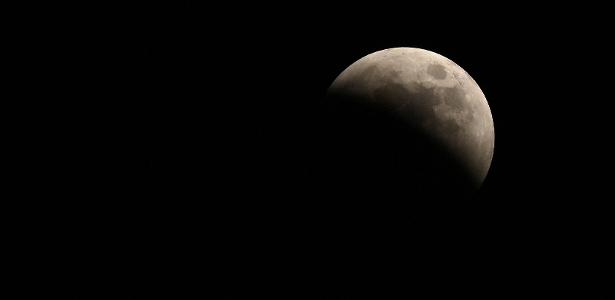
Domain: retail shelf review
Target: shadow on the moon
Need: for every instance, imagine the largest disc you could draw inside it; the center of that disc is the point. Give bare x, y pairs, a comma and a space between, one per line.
371, 161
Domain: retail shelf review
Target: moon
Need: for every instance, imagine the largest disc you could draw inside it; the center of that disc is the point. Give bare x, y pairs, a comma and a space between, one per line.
418, 111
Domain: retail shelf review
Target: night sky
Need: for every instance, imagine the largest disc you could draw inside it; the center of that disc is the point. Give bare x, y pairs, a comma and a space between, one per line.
214, 176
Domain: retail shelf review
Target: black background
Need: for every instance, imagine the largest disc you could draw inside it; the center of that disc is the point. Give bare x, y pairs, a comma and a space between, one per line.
207, 129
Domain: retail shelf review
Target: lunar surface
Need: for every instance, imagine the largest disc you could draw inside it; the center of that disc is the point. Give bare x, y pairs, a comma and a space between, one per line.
415, 110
